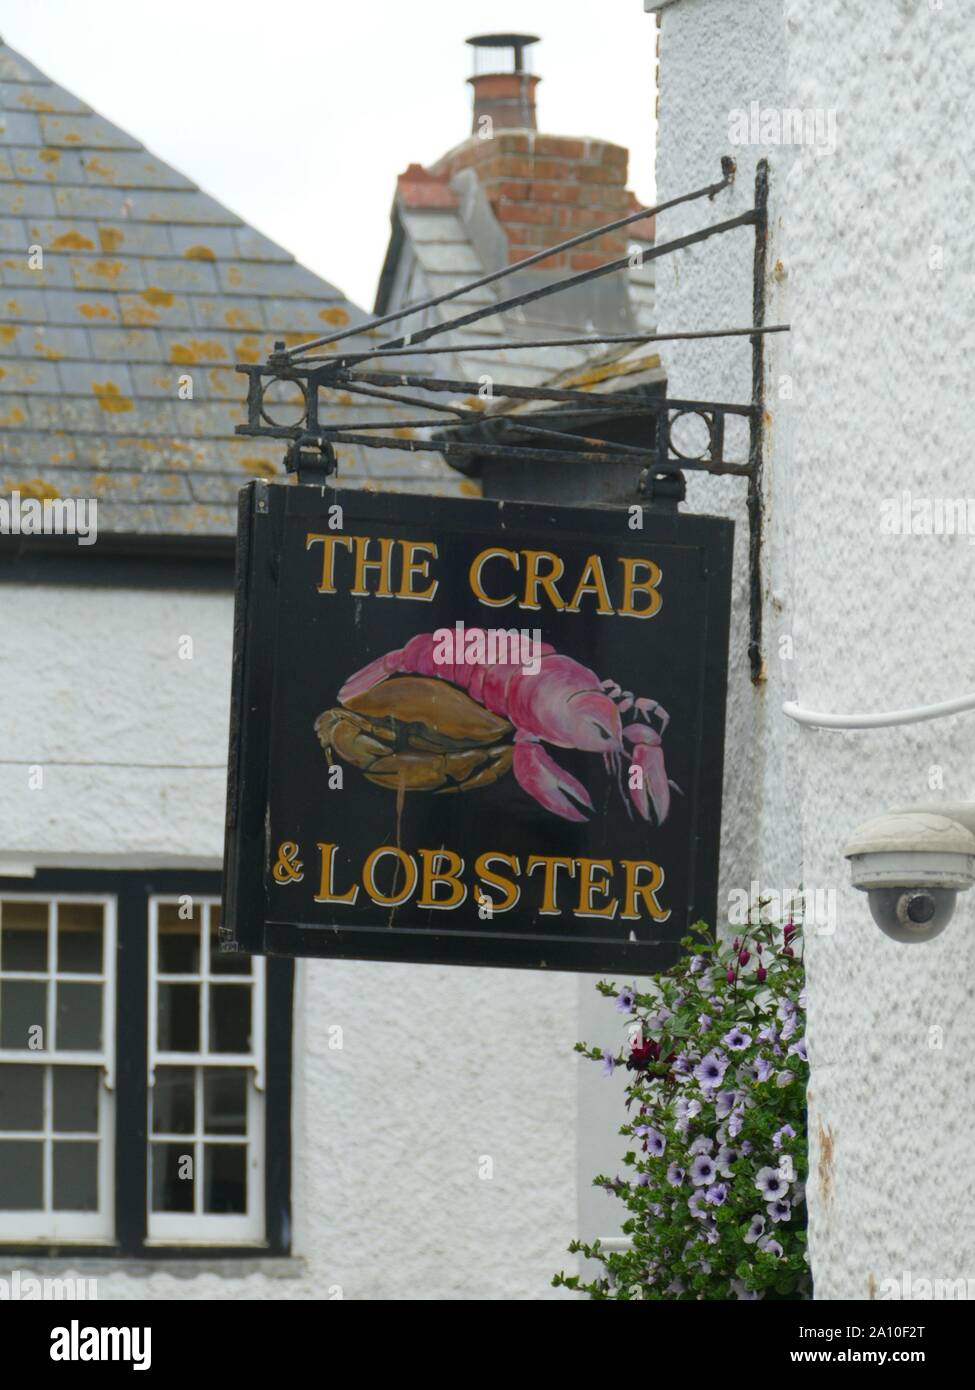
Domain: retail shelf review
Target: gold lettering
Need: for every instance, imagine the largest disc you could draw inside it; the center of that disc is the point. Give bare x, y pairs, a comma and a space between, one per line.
383, 565
511, 891
552, 864
647, 891
632, 586
534, 580
477, 565
412, 566
432, 875
327, 586
596, 585
369, 881
326, 893
587, 886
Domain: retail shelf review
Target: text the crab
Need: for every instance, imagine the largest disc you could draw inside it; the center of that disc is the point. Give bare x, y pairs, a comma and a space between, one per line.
381, 567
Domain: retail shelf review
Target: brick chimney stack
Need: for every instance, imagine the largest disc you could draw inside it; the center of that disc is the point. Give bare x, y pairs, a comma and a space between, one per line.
503, 100
538, 189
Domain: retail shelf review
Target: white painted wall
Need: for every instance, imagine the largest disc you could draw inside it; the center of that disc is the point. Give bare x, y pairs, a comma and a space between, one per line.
440, 1067
881, 372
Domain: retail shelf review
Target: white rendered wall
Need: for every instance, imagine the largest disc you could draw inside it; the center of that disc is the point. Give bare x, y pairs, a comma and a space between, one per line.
440, 1068
881, 378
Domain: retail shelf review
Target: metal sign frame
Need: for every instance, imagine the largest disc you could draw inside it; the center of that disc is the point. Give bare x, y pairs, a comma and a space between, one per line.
259, 919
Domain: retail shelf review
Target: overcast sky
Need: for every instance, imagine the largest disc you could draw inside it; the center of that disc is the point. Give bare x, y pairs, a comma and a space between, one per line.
299, 114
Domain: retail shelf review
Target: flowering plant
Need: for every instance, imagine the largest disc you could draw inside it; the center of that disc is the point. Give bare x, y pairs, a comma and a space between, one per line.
716, 1102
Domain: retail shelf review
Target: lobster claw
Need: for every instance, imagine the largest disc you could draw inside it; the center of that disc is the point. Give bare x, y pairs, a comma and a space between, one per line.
541, 777
648, 756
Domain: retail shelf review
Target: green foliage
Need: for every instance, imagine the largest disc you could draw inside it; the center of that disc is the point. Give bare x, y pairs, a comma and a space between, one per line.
715, 1183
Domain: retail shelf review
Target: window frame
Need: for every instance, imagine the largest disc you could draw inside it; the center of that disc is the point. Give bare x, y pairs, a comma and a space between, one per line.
69, 1225
133, 891
166, 1228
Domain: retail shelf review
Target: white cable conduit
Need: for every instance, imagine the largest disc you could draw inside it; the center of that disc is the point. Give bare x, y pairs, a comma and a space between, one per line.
915, 715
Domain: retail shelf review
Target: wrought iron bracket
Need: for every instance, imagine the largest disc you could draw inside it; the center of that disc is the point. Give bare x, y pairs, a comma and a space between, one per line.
556, 435
311, 459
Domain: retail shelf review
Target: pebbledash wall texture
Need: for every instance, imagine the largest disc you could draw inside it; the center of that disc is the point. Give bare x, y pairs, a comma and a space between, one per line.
870, 260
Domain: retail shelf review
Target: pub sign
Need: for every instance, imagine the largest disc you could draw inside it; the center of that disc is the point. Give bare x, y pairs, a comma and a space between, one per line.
474, 732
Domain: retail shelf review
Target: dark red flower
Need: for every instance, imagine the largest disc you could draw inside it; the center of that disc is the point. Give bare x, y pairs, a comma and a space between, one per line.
642, 1053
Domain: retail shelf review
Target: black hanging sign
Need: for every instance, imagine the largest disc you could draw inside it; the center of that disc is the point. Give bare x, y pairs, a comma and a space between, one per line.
474, 732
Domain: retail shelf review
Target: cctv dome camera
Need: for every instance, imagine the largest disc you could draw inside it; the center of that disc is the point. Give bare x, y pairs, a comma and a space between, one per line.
912, 863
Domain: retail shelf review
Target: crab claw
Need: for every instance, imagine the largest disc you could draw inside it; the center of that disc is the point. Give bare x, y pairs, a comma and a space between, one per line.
541, 777
648, 756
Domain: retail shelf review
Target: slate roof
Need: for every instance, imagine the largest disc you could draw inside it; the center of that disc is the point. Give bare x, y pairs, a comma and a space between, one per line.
145, 278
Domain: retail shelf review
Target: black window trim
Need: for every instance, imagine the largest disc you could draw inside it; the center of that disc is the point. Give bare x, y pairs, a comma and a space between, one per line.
132, 889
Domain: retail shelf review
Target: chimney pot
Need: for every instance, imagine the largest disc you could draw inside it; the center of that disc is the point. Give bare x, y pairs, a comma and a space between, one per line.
505, 97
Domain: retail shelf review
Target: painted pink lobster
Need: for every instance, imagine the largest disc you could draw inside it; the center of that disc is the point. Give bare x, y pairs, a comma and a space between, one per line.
562, 703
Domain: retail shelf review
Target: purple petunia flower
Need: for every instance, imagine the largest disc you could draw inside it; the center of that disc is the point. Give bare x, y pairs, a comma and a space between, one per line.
643, 1180
785, 1078
770, 1246
726, 1157
746, 1147
735, 1123
686, 1109
710, 1069
779, 1211
756, 1229
771, 1183
703, 1171
675, 1175
769, 1033
704, 1020
626, 999
799, 1048
702, 1145
786, 1132
802, 997
723, 1103
717, 1193
682, 1064
743, 1293
609, 1064
696, 1205
655, 1140
697, 964
736, 1040
788, 1028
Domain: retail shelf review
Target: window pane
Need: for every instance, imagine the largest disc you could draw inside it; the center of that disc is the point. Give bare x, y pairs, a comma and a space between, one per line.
23, 1006
76, 1100
23, 940
224, 1100
179, 1018
225, 1183
173, 1101
170, 1192
80, 938
79, 1017
179, 940
21, 1099
75, 1177
225, 962
230, 1018
21, 1175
